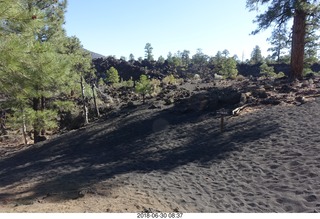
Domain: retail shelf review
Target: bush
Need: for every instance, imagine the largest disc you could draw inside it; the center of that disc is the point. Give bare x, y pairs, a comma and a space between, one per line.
307, 71
281, 75
268, 72
129, 83
101, 82
240, 78
156, 89
170, 79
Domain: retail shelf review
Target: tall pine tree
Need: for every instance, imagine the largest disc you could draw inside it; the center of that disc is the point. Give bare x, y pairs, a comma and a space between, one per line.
280, 12
280, 42
35, 71
82, 69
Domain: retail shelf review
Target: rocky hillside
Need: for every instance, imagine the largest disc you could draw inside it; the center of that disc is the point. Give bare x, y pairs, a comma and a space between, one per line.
95, 55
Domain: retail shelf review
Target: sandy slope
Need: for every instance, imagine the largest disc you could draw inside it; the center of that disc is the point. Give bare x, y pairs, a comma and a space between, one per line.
159, 160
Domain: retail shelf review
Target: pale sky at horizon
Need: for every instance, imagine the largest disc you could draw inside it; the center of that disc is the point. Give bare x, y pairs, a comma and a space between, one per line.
121, 27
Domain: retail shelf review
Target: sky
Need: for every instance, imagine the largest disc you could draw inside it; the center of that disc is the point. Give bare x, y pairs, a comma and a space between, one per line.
122, 27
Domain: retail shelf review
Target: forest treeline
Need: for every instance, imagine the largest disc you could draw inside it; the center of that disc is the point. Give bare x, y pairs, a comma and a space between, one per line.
46, 76
183, 66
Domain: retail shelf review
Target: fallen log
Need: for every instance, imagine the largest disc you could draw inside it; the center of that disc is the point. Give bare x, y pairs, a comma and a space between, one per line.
237, 111
312, 96
302, 99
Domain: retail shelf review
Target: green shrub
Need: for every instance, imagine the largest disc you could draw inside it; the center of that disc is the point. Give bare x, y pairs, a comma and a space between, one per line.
129, 83
170, 79
156, 89
281, 75
307, 71
101, 82
268, 71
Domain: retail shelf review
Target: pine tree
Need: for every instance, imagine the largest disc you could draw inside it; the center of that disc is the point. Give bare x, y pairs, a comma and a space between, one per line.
16, 32
112, 76
143, 87
47, 65
185, 57
280, 42
224, 65
82, 69
131, 58
256, 56
148, 52
305, 13
312, 45
200, 58
35, 72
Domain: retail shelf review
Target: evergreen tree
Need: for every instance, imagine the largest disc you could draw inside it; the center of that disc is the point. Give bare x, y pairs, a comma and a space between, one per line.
143, 87
82, 69
185, 57
47, 65
216, 59
303, 12
266, 70
256, 56
224, 65
169, 57
34, 69
225, 53
200, 58
176, 60
131, 58
112, 76
280, 42
229, 68
161, 60
312, 45
148, 50
16, 23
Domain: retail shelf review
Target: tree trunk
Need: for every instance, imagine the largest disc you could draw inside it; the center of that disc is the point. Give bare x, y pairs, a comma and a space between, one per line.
143, 98
95, 100
43, 105
278, 55
24, 128
36, 128
3, 122
298, 43
85, 108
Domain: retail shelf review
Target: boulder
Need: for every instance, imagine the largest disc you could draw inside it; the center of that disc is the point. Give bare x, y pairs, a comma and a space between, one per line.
260, 93
229, 97
271, 101
169, 101
154, 106
243, 99
286, 89
131, 104
213, 103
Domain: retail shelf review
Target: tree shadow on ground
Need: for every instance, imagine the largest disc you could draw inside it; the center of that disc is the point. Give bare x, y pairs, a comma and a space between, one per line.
141, 142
